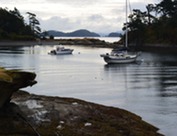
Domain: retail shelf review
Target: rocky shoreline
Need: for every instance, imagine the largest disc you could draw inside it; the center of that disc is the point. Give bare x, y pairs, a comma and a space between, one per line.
25, 114
30, 114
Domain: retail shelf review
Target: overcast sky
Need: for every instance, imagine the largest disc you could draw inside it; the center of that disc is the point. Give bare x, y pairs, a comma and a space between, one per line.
100, 16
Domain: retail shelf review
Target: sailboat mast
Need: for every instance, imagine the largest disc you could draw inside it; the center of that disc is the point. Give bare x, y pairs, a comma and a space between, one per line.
126, 30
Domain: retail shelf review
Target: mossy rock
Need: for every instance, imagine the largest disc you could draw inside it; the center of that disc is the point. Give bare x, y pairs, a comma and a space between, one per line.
11, 81
55, 116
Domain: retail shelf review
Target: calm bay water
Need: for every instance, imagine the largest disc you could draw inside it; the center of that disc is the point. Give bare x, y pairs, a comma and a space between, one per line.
147, 88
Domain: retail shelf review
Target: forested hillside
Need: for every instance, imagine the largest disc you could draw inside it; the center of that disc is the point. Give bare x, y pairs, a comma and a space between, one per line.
158, 24
13, 27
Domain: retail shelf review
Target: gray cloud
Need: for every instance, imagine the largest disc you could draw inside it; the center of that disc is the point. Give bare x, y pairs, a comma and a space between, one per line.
60, 24
96, 23
95, 17
76, 3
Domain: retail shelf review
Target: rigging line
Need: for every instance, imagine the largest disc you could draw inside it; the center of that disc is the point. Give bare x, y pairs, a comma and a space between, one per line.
130, 8
126, 31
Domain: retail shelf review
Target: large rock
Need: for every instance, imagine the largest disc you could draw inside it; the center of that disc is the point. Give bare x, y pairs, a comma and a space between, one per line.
37, 115
11, 81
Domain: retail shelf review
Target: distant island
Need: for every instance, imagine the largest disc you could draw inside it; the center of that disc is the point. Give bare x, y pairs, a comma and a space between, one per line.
79, 33
114, 34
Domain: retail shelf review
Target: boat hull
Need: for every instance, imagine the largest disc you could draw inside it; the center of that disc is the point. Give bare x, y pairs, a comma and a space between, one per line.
118, 60
54, 52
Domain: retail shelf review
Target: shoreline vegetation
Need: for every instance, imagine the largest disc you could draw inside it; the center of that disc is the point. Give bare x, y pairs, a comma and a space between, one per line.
91, 42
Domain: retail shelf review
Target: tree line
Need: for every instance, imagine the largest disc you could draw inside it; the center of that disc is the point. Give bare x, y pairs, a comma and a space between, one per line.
13, 26
158, 24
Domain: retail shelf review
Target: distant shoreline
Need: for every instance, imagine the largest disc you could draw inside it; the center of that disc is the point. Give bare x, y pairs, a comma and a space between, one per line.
94, 42
27, 43
90, 42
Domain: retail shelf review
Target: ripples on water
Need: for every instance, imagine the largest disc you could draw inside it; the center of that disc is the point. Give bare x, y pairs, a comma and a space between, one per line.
147, 88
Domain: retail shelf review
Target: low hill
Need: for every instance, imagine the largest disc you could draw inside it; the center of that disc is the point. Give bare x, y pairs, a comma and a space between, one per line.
83, 32
114, 34
77, 33
55, 33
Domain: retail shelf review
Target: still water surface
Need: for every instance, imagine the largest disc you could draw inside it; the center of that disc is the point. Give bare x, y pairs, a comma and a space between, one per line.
147, 88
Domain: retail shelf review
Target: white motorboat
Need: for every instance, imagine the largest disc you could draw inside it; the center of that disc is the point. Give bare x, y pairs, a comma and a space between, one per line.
121, 56
61, 51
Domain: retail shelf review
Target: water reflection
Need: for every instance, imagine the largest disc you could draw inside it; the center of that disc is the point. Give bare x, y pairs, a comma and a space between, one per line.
117, 74
11, 50
168, 82
150, 89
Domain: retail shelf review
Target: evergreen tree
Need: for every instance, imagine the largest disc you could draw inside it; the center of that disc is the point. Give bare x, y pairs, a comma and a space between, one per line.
12, 26
34, 23
156, 25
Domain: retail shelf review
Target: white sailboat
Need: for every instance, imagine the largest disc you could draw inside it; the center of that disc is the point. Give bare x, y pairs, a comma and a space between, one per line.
121, 56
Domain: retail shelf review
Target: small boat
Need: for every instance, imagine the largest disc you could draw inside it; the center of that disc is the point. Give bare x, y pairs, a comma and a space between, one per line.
121, 56
61, 51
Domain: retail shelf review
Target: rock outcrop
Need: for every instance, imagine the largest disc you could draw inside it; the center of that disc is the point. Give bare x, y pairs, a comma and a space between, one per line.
11, 81
37, 115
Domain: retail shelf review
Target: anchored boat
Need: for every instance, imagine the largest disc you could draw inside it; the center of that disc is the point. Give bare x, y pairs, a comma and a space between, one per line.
61, 51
